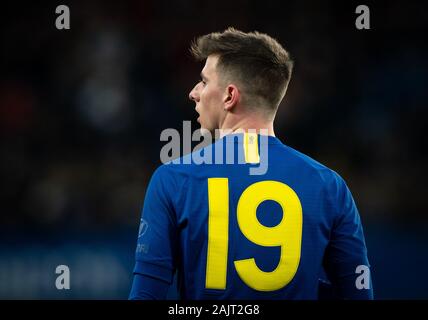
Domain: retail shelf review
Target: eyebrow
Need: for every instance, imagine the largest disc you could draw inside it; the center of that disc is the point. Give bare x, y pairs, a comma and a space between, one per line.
203, 76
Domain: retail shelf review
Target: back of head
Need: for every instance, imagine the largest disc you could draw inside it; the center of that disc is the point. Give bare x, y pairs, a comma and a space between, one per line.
254, 61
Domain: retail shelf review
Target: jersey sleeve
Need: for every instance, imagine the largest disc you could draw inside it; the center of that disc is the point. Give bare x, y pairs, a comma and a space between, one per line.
147, 288
156, 250
345, 261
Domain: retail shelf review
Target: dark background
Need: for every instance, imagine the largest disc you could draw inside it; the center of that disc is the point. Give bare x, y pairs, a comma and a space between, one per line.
81, 112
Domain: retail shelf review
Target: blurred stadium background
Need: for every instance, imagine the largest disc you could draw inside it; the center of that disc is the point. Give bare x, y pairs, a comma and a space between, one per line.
81, 112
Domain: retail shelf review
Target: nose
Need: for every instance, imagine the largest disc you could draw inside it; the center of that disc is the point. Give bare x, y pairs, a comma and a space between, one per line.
193, 95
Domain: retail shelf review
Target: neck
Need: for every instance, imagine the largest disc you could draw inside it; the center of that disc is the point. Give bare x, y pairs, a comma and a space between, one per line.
252, 125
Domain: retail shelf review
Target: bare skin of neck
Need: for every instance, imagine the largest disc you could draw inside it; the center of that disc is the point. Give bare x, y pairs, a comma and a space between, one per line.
233, 123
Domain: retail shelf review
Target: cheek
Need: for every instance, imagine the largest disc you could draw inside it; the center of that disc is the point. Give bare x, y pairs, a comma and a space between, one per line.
210, 99
205, 95
206, 100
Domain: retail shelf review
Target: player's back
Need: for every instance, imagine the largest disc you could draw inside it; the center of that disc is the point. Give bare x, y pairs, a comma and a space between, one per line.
246, 236
236, 235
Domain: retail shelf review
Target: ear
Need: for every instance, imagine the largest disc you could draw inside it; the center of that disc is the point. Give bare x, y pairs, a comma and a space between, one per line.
232, 97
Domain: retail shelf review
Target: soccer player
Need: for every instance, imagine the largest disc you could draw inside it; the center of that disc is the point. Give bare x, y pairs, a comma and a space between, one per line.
230, 234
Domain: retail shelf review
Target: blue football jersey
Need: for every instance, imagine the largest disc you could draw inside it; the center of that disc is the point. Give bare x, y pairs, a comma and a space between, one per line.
231, 232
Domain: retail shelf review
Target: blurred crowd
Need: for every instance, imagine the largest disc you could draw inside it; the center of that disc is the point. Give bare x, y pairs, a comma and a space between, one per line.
81, 110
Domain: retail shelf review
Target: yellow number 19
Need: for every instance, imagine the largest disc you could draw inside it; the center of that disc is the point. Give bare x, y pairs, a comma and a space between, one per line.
287, 234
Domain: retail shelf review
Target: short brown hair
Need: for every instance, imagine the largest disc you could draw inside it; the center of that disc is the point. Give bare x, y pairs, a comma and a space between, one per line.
255, 60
